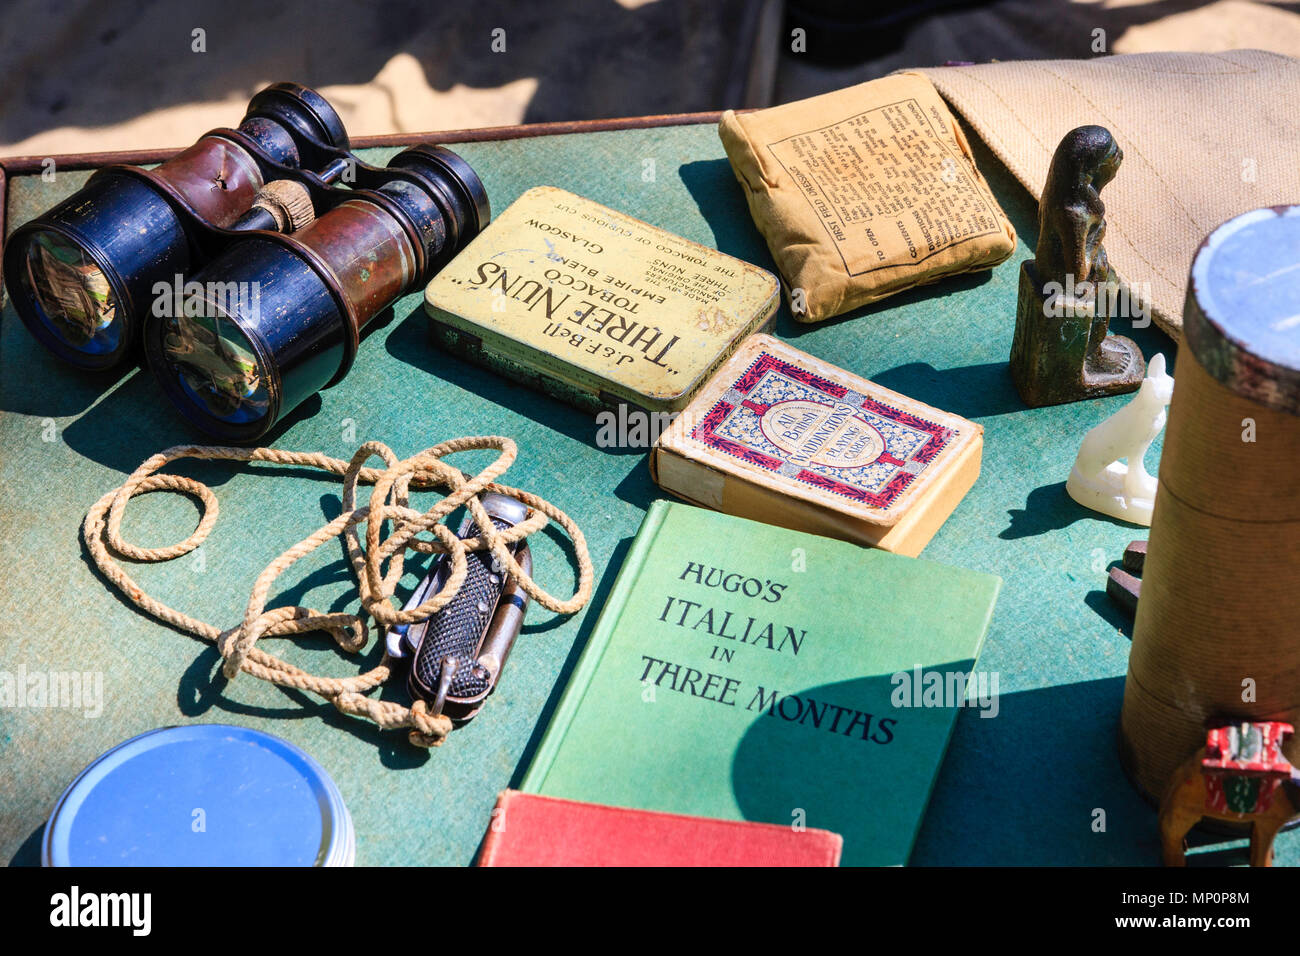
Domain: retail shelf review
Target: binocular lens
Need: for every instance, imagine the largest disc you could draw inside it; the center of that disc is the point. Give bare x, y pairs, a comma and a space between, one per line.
69, 294
82, 274
274, 318
216, 367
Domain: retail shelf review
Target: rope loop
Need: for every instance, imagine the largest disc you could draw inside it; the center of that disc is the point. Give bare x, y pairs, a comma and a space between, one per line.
388, 503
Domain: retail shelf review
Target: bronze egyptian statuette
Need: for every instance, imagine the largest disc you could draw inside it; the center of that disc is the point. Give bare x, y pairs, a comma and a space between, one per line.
1062, 351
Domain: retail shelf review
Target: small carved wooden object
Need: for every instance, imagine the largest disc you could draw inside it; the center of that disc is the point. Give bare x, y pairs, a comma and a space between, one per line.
1239, 776
1124, 584
1062, 350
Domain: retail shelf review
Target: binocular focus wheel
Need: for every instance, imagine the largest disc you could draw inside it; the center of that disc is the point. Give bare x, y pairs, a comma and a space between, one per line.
441, 165
303, 108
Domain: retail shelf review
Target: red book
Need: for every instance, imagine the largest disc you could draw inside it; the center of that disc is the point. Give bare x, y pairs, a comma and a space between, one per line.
528, 830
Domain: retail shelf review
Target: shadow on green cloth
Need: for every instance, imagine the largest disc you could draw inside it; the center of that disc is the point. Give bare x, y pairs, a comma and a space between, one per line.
1047, 508
1019, 788
135, 420
29, 852
798, 766
971, 391
600, 595
1100, 602
64, 391
1024, 788
409, 343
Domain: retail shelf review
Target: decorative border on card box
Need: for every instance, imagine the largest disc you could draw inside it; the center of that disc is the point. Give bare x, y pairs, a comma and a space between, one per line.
907, 468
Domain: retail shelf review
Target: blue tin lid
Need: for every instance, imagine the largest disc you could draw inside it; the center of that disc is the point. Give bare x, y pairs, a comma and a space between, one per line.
201, 795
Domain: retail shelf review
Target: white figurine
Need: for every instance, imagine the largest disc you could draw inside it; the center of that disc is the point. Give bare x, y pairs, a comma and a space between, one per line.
1098, 480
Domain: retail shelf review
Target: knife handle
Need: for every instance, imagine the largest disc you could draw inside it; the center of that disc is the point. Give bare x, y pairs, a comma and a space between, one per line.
446, 664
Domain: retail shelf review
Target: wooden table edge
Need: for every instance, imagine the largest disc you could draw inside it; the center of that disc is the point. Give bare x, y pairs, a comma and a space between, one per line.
24, 165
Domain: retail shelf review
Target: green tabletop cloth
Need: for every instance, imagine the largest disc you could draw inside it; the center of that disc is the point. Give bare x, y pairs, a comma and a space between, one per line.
1039, 783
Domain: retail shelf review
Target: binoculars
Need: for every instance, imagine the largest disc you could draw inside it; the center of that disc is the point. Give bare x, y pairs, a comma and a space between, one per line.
242, 266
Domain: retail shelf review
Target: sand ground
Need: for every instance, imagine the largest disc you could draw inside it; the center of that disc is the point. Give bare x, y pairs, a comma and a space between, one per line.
87, 75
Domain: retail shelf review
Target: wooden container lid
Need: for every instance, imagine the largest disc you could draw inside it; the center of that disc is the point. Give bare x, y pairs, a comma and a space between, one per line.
1242, 316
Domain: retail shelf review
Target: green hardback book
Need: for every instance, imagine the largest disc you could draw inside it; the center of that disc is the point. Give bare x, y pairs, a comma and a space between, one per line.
748, 672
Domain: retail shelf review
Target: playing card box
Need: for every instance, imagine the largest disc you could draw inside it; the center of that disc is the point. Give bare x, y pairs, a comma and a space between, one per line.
780, 436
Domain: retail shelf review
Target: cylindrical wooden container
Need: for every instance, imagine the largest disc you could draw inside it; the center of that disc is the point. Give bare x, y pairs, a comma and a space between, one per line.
1218, 624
